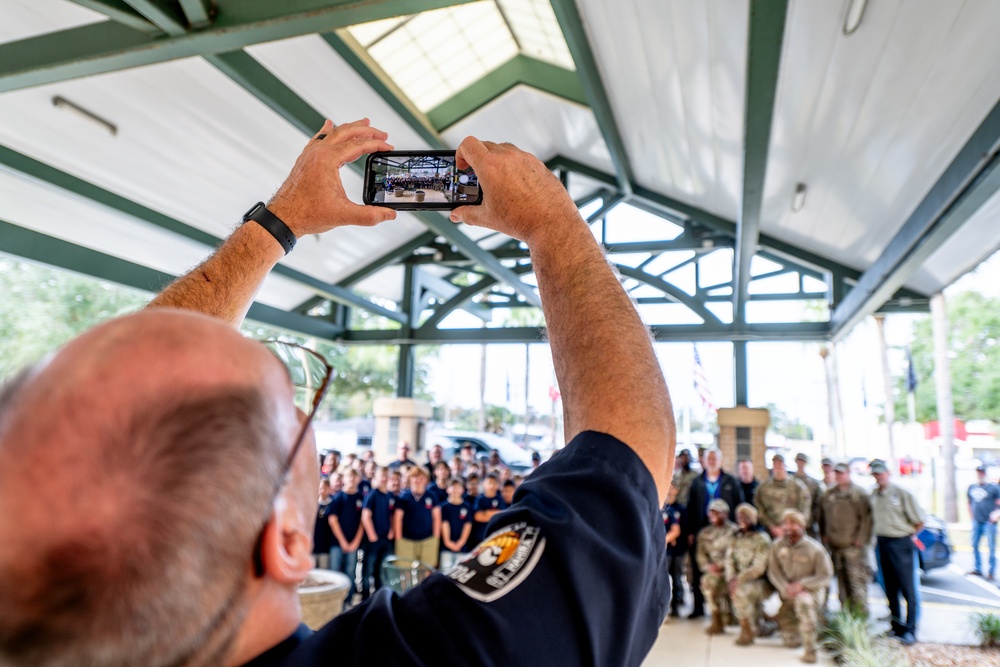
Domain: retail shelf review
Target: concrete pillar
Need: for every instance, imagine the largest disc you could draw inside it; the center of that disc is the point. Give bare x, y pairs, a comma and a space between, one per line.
399, 420
945, 408
741, 435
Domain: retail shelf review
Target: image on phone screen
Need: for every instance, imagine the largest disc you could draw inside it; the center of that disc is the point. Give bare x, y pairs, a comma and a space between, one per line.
419, 180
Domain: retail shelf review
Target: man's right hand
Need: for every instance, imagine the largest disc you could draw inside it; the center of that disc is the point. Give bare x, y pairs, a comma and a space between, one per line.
521, 197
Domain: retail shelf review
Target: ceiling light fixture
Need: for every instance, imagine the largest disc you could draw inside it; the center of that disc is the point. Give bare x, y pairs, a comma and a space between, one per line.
62, 103
799, 200
852, 19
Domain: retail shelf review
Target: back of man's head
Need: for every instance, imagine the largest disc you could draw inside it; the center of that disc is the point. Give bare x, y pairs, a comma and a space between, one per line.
143, 556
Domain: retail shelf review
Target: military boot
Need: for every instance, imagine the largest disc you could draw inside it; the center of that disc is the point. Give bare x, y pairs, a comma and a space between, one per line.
809, 657
746, 634
717, 627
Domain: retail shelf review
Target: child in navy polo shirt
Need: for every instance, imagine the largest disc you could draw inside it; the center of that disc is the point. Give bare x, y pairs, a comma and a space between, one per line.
487, 505
376, 517
322, 537
456, 525
417, 521
509, 487
471, 488
439, 487
345, 522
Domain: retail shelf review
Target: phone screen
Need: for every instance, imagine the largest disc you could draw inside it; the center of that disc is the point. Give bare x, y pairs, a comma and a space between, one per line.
419, 180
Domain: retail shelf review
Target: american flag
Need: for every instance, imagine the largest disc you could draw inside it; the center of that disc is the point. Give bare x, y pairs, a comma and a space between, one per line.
701, 383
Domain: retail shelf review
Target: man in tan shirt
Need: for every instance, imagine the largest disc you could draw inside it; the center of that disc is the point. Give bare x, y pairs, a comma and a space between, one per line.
845, 521
800, 570
779, 493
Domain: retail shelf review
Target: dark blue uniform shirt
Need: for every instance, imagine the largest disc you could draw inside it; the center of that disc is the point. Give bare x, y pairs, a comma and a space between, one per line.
382, 505
574, 576
323, 537
456, 516
482, 503
439, 494
347, 508
674, 515
418, 515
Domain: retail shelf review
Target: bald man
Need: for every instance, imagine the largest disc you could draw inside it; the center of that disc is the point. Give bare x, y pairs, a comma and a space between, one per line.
185, 522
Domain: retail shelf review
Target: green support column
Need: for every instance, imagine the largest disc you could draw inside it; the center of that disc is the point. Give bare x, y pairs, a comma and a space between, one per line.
740, 371
405, 371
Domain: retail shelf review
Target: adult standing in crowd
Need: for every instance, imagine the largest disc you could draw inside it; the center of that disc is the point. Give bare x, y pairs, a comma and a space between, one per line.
829, 476
845, 522
673, 524
815, 491
749, 483
780, 493
897, 518
684, 476
712, 484
403, 457
181, 417
983, 501
800, 570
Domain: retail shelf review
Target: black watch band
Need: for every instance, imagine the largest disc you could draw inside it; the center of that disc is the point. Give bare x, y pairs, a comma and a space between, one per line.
273, 224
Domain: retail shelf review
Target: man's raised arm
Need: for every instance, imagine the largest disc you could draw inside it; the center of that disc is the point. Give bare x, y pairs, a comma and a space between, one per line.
603, 355
310, 201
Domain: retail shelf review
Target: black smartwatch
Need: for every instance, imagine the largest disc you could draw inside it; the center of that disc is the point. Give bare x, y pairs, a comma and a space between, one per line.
273, 224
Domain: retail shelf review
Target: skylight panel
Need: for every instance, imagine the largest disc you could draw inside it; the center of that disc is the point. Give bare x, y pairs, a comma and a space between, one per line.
537, 31
433, 55
369, 33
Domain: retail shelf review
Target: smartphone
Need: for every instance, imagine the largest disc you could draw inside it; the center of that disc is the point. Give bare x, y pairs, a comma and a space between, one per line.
419, 181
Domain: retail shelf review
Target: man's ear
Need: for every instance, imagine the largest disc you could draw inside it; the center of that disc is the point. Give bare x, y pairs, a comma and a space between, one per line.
286, 545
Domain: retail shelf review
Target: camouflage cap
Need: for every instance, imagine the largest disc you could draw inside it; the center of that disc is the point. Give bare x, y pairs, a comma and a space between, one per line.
827, 461
842, 467
878, 466
719, 505
801, 457
795, 516
747, 510
778, 457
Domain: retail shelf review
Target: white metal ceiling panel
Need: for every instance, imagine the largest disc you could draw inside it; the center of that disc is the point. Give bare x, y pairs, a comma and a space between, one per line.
675, 72
537, 122
20, 19
870, 121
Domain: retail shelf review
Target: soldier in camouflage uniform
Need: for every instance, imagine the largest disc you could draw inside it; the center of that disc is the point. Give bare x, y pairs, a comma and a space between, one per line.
746, 572
800, 570
815, 493
684, 476
845, 520
779, 493
713, 542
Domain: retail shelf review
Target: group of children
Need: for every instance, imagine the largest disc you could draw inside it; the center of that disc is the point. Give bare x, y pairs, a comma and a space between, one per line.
403, 512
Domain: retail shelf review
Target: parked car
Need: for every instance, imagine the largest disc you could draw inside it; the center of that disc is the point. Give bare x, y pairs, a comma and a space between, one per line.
934, 548
514, 457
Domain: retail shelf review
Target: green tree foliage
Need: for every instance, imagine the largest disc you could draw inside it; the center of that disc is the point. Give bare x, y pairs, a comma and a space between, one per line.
784, 425
974, 352
42, 308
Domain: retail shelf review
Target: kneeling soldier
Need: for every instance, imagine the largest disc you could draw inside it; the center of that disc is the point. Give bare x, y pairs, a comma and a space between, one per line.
713, 542
746, 572
800, 570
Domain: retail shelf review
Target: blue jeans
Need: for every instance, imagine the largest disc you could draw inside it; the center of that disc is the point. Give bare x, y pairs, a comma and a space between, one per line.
988, 530
346, 562
371, 579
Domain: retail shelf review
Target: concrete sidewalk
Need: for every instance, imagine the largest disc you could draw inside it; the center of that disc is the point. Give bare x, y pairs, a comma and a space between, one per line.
683, 642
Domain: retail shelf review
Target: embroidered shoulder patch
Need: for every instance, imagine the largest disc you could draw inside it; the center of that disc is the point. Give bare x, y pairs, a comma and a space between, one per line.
500, 562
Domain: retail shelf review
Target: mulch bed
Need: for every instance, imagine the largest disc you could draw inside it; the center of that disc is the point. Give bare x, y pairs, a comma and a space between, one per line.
949, 655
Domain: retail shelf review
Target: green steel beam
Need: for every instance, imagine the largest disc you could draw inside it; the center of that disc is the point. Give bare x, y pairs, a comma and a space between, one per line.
164, 14
391, 257
199, 13
99, 48
121, 12
597, 97
518, 70
259, 81
48, 174
767, 31
673, 208
740, 371
679, 295
406, 367
38, 247
357, 57
971, 179
800, 331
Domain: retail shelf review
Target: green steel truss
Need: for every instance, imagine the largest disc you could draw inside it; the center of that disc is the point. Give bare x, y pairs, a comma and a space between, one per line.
472, 277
